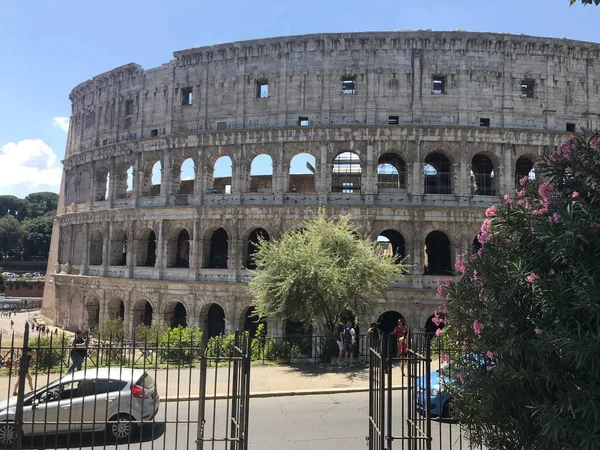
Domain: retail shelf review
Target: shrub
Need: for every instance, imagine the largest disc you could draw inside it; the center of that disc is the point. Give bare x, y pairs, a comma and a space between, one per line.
220, 345
528, 304
180, 345
50, 351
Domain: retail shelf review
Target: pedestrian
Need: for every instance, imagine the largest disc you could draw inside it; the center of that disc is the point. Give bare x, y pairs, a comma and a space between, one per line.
401, 334
374, 333
340, 341
349, 340
78, 352
29, 355
12, 323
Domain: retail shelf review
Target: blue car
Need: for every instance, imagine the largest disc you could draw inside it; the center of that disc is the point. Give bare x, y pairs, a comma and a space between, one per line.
440, 380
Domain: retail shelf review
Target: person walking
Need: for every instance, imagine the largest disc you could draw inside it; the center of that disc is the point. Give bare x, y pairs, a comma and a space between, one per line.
29, 355
349, 340
78, 352
401, 334
340, 341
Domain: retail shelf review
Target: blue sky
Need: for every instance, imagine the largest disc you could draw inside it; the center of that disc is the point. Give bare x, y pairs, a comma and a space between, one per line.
48, 47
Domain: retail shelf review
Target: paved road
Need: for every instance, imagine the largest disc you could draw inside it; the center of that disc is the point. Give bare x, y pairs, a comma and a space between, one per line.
290, 423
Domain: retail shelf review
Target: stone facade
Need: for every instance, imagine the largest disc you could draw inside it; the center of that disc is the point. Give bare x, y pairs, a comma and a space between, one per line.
412, 133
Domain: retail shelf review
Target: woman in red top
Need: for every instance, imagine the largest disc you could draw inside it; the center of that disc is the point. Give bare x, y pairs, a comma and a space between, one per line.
401, 333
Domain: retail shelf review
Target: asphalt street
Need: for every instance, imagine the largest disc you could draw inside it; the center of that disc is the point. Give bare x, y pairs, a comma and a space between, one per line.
290, 423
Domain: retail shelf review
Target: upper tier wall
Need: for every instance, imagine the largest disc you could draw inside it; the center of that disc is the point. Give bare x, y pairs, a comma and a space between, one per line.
392, 73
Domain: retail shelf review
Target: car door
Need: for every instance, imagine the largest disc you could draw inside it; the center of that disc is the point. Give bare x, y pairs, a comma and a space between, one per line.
42, 414
59, 411
102, 402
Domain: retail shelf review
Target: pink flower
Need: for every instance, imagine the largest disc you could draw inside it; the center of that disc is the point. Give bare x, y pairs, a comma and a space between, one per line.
440, 291
438, 331
537, 331
521, 202
501, 324
523, 181
486, 232
551, 272
545, 190
532, 277
575, 194
491, 211
459, 264
460, 377
489, 368
489, 354
444, 358
477, 327
507, 198
522, 193
595, 225
475, 274
555, 218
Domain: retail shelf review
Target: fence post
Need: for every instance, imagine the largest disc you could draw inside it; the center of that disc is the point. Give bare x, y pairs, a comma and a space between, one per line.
23, 368
202, 393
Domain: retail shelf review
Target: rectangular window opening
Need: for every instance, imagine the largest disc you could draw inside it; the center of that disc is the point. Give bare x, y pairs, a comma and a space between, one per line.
393, 120
438, 85
349, 85
348, 188
571, 127
228, 189
154, 132
303, 121
221, 126
129, 107
484, 122
527, 88
187, 96
262, 89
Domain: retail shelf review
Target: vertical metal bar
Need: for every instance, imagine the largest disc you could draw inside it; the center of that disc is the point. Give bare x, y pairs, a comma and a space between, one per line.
247, 367
23, 367
427, 343
202, 394
235, 431
388, 430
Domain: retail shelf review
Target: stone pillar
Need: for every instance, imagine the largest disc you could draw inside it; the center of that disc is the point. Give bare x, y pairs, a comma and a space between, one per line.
85, 260
92, 183
165, 178
112, 182
323, 182
107, 232
462, 177
238, 177
370, 177
233, 256
131, 248
279, 182
138, 179
160, 251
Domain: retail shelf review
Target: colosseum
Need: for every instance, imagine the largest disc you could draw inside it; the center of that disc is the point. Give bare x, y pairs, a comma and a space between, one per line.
412, 133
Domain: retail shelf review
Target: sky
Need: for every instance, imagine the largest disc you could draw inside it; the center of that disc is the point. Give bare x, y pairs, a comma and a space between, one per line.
48, 47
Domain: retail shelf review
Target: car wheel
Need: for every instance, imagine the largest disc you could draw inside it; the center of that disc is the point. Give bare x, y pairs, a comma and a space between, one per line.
8, 435
121, 427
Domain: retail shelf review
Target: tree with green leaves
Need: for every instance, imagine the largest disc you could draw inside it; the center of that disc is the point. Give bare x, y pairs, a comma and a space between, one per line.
528, 304
315, 274
13, 206
586, 2
35, 236
41, 203
10, 234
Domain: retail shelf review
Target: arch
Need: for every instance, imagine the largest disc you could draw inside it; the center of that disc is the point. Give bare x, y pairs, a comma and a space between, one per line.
101, 184
124, 181
96, 245
524, 168
146, 248
431, 327
218, 251
142, 313
151, 186
78, 246
215, 321
251, 322
346, 173
178, 251
392, 243
482, 176
255, 236
116, 309
261, 174
176, 315
221, 176
437, 174
92, 312
118, 249
186, 175
302, 173
388, 320
391, 172
437, 254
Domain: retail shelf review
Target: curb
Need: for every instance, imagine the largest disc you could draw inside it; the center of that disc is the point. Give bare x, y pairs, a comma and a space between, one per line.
270, 394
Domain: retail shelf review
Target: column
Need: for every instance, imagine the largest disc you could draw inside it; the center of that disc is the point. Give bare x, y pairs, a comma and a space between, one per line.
131, 248
369, 178
112, 182
138, 179
160, 251
107, 233
195, 249
279, 183
324, 181
85, 260
165, 178
462, 179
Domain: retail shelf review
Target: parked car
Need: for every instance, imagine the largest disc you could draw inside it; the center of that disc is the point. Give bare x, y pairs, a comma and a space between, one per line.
441, 381
114, 399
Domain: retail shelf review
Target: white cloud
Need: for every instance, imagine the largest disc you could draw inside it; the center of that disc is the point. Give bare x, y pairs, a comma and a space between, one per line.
62, 122
27, 165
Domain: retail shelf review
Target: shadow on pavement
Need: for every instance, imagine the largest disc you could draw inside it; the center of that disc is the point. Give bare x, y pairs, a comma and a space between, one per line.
359, 370
149, 432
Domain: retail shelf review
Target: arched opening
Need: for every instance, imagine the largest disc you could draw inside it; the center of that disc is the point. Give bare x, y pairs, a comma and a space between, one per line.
482, 176
176, 315
215, 321
101, 184
179, 250
431, 327
261, 174
142, 314
221, 176
96, 244
116, 309
92, 311
124, 181
437, 174
299, 334
392, 243
437, 254
391, 172
523, 168
253, 239
302, 173
219, 246
146, 249
251, 322
152, 178
186, 177
388, 321
346, 173
118, 249
78, 247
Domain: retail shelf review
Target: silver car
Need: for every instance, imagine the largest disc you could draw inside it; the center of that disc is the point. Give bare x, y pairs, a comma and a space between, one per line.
112, 399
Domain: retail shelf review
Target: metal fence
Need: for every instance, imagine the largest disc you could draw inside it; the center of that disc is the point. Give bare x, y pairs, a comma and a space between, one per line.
161, 392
